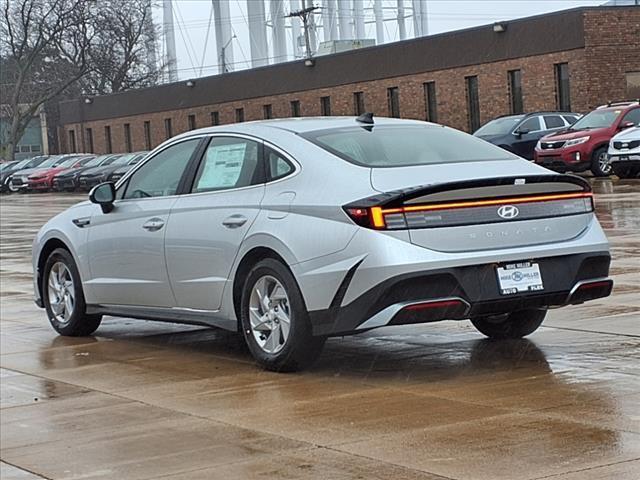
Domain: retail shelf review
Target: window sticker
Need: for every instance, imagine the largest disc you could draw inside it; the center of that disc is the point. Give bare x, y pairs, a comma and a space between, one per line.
223, 164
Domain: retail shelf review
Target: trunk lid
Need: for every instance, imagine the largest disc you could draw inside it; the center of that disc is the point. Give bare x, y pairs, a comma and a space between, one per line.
467, 207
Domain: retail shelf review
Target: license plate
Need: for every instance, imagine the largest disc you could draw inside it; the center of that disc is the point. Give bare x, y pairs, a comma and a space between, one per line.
519, 277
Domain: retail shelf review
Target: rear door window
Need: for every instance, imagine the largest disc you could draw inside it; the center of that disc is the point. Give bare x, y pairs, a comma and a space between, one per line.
553, 121
228, 162
277, 165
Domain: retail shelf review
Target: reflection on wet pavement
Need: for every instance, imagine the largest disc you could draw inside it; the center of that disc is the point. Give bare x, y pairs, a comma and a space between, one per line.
145, 400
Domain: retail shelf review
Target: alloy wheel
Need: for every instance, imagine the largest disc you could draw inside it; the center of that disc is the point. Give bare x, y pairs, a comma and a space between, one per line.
604, 162
269, 314
61, 292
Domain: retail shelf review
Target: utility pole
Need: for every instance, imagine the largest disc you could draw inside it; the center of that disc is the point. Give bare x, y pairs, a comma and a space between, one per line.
223, 58
304, 15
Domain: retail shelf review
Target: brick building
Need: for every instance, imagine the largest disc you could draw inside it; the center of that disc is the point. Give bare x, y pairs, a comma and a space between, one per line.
569, 60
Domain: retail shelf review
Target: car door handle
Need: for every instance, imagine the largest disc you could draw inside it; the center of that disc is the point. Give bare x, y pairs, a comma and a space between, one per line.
234, 221
153, 224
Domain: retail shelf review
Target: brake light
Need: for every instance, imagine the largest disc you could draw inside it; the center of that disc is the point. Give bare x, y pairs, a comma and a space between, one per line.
380, 218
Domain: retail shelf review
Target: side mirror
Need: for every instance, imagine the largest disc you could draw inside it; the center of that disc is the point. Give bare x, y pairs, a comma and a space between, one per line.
521, 131
625, 125
104, 195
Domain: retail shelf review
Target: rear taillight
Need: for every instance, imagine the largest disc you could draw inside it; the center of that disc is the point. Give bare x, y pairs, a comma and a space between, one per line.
469, 212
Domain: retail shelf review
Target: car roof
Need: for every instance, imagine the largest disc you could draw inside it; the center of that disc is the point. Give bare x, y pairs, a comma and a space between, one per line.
300, 125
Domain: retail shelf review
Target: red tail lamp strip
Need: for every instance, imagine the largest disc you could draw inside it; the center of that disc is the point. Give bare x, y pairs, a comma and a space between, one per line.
440, 304
378, 213
603, 283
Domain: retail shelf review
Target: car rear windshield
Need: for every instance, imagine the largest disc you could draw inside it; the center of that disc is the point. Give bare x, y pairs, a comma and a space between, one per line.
499, 126
402, 146
597, 119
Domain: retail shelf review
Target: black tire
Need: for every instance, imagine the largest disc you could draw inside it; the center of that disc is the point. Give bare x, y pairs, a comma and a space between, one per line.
301, 348
596, 168
79, 323
511, 325
625, 172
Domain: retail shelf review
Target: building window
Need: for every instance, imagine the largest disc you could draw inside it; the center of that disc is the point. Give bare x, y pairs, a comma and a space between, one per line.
325, 106
89, 140
267, 111
191, 122
430, 105
167, 128
393, 99
295, 108
515, 91
147, 135
633, 84
215, 118
239, 115
35, 148
72, 141
473, 103
563, 94
127, 137
358, 103
107, 139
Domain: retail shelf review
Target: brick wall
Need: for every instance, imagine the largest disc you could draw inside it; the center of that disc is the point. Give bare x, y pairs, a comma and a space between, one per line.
597, 74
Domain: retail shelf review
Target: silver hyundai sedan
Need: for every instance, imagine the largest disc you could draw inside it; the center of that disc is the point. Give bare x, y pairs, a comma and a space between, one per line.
294, 230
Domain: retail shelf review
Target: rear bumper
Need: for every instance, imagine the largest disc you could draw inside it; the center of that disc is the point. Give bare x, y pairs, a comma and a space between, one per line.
464, 292
564, 160
64, 183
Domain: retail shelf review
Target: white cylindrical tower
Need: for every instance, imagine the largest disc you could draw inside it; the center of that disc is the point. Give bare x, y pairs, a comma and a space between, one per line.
224, 38
278, 32
420, 18
329, 20
294, 5
402, 28
257, 33
344, 20
378, 13
358, 16
169, 40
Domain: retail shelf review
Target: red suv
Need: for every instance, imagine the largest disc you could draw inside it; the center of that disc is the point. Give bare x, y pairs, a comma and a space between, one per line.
584, 145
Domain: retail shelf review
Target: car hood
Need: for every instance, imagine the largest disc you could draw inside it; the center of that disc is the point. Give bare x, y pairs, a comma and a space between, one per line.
628, 134
389, 179
123, 169
45, 172
26, 171
491, 138
571, 134
100, 170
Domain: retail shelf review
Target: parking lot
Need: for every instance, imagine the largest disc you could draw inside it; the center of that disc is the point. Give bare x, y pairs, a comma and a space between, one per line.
142, 400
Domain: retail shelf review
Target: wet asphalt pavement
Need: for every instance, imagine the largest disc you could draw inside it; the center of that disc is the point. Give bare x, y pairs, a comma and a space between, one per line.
143, 400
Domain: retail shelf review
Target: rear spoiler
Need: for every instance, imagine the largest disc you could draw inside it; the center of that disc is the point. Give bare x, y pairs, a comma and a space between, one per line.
413, 207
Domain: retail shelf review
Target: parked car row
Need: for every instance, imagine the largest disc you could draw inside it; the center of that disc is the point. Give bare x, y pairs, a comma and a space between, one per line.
65, 172
604, 141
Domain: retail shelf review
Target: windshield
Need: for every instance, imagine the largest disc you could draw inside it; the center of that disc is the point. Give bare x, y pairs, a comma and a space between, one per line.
50, 162
5, 166
597, 119
499, 126
94, 162
124, 159
85, 161
110, 160
401, 146
34, 162
69, 162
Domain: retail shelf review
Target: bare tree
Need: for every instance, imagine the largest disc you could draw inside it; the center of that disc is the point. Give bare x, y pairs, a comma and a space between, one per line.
44, 49
124, 53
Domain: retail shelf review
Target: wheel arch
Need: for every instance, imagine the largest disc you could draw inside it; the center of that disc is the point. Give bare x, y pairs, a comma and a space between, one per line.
249, 259
49, 246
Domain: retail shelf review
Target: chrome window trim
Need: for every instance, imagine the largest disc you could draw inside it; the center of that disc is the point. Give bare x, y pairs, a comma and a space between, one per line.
297, 167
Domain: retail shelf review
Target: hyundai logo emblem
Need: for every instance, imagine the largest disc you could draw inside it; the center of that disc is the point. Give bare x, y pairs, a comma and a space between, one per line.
508, 211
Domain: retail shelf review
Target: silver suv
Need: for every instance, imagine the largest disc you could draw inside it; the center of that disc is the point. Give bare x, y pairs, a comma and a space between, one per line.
291, 231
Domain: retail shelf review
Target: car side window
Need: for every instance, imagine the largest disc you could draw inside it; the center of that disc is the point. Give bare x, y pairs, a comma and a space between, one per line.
530, 125
228, 163
553, 121
632, 116
277, 165
160, 176
571, 119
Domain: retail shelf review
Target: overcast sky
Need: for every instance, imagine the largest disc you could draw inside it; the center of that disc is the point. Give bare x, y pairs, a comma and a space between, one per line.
197, 53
